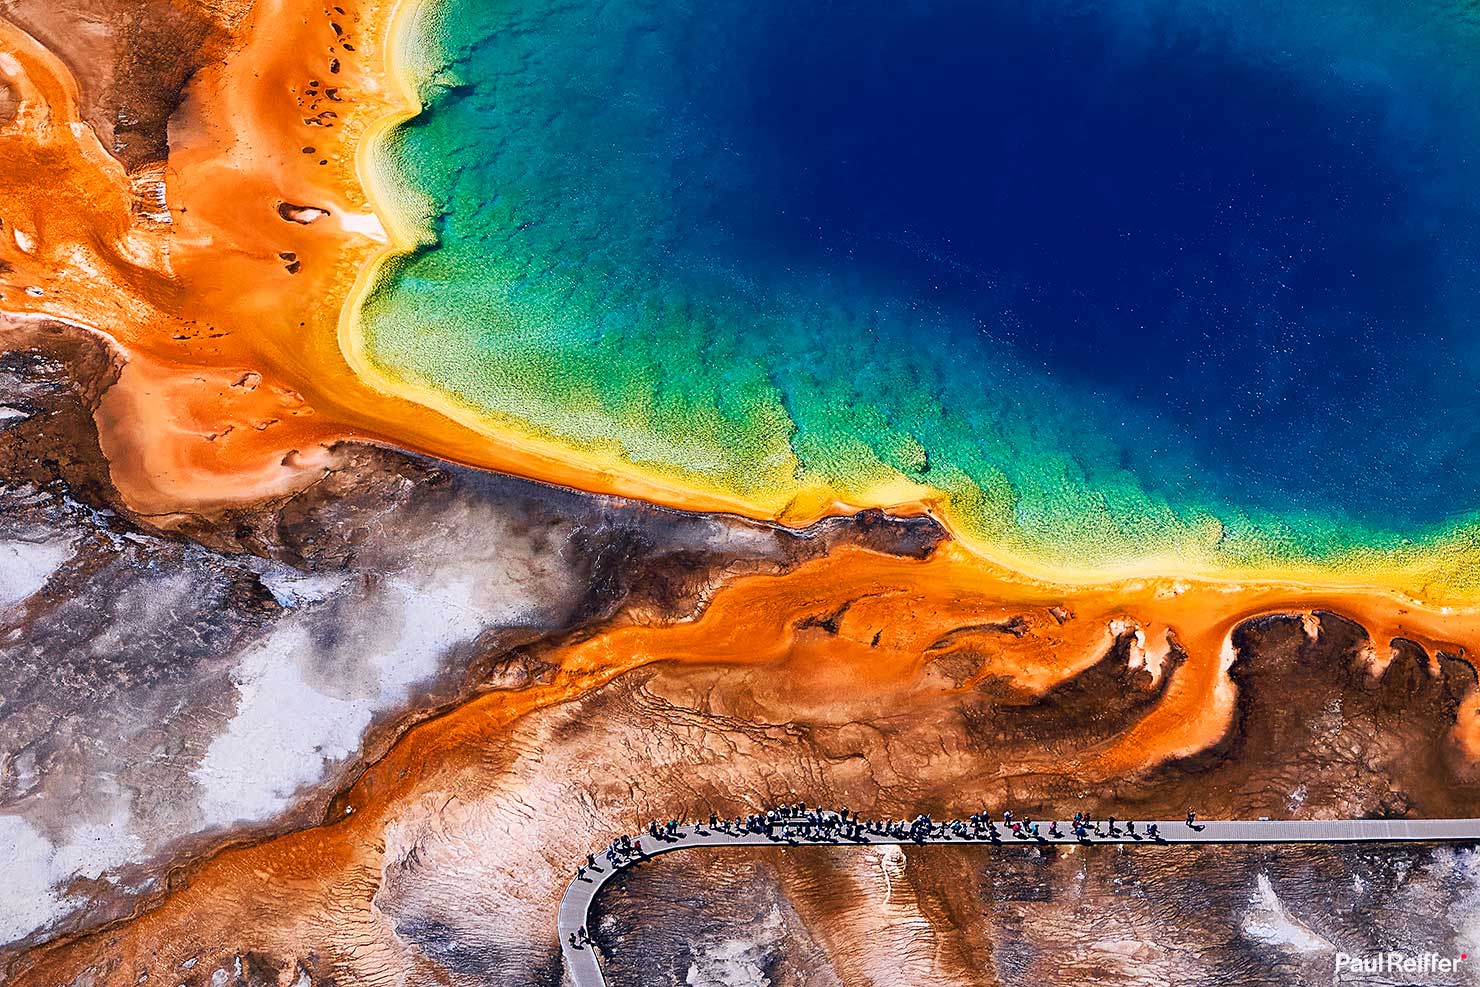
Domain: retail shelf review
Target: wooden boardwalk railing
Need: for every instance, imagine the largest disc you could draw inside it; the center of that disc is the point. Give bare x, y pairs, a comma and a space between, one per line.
585, 968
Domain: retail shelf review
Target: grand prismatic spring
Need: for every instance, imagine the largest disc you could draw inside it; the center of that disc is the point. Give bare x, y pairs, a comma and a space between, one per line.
439, 437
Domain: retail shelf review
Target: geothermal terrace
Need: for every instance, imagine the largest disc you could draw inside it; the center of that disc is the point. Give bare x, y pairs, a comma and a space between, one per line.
796, 827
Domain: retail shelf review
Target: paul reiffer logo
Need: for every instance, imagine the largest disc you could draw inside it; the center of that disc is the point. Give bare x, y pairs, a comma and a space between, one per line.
1394, 961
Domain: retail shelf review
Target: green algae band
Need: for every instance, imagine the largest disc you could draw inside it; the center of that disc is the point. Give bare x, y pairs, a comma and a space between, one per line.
1120, 280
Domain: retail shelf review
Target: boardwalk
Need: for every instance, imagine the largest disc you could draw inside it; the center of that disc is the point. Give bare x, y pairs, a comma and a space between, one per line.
585, 969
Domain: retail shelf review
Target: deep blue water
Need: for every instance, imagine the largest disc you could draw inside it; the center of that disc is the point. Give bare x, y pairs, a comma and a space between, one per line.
1269, 259
1099, 270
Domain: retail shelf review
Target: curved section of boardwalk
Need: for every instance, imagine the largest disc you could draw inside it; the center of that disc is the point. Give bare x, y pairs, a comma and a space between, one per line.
585, 968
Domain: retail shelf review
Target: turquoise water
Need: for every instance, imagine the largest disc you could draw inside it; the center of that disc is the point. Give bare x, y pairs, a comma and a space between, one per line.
1119, 278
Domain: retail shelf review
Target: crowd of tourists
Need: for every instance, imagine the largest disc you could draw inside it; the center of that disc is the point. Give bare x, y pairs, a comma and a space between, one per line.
812, 824
801, 823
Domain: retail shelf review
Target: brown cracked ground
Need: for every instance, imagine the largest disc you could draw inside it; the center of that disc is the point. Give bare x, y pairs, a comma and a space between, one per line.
682, 685
278, 704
